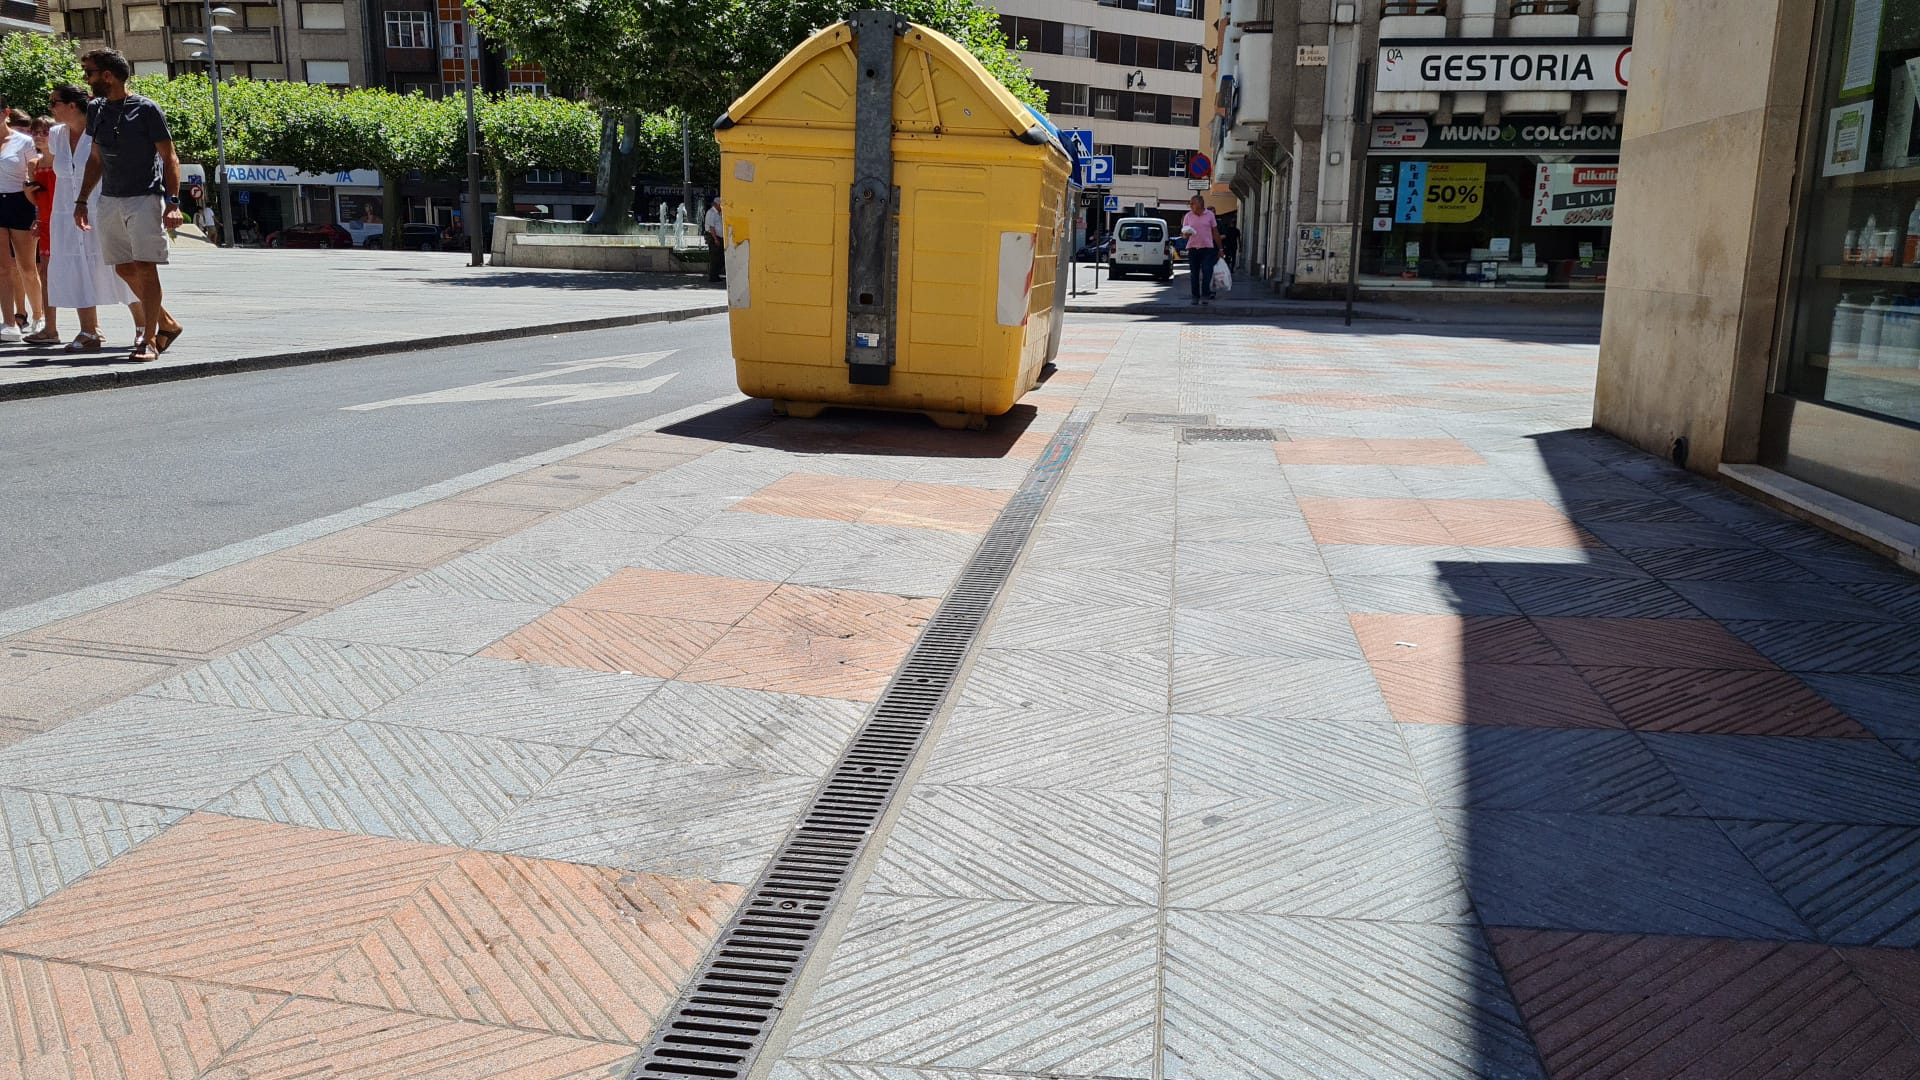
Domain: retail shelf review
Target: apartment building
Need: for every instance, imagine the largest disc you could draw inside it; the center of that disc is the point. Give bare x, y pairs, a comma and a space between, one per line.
24, 16
1482, 151
1131, 71
318, 41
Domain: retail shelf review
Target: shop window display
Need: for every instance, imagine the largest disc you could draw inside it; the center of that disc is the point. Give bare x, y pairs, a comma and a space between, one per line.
1855, 341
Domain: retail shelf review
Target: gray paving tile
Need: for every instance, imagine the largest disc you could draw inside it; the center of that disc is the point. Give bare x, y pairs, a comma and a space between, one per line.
1803, 601
1508, 563
419, 619
1856, 647
566, 542
292, 674
1247, 558
1096, 588
727, 558
1053, 679
1301, 760
1272, 529
163, 752
1463, 594
1854, 884
1342, 481
1265, 686
902, 578
803, 1069
1301, 635
1052, 749
1077, 627
1206, 590
1754, 778
48, 841
435, 787
1045, 989
656, 817
528, 702
1393, 560
1074, 551
1284, 997
1887, 705
526, 579
748, 729
1012, 844
1614, 874
1557, 769
1292, 858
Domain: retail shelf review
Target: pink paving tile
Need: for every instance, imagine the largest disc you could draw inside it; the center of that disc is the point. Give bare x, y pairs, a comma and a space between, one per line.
1452, 639
1673, 643
1491, 695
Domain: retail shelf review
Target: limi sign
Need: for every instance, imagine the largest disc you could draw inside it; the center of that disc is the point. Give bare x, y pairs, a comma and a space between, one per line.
1455, 64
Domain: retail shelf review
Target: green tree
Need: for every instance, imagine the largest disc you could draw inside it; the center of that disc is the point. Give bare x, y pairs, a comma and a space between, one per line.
397, 134
30, 65
521, 132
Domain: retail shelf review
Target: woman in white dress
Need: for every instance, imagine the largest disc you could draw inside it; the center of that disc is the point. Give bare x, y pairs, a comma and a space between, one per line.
77, 277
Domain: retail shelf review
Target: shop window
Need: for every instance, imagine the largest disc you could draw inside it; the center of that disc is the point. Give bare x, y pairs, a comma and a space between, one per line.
1855, 288
409, 30
323, 16
145, 17
91, 23
329, 72
1077, 41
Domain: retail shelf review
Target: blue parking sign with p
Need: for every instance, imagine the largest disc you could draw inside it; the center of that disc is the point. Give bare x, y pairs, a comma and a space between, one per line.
1097, 171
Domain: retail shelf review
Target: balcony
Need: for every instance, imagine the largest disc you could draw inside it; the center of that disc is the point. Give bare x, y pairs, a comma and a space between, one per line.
260, 46
1254, 76
1413, 18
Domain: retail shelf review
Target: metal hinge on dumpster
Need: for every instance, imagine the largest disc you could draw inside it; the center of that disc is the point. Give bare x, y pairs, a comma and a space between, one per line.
873, 232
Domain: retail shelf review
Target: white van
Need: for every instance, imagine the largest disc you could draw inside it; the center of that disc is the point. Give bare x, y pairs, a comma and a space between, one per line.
1139, 244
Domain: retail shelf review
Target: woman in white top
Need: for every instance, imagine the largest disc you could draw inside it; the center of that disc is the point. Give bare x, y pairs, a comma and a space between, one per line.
17, 214
77, 277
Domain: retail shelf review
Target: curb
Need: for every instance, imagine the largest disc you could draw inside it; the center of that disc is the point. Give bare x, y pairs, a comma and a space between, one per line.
101, 380
1237, 310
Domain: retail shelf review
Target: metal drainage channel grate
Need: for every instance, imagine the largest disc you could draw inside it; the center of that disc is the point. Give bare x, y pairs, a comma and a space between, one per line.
722, 1022
1187, 418
1228, 434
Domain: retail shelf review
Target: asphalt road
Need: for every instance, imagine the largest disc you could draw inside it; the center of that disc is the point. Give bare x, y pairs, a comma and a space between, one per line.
99, 485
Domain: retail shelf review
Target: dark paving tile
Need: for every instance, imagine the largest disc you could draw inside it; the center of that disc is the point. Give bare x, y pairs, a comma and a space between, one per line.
1574, 598
1807, 601
1642, 511
1859, 647
1850, 565
1634, 875
1667, 534
1899, 598
1845, 781
1887, 705
1853, 884
1717, 564
1613, 1005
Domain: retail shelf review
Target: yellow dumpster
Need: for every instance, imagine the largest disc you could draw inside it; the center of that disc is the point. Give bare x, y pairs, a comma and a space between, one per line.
895, 226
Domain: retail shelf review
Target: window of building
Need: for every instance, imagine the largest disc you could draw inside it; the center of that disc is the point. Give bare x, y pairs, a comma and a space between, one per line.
409, 30
1183, 7
329, 72
260, 16
545, 176
270, 71
1106, 103
1077, 41
91, 23
145, 17
150, 67
1068, 99
1106, 47
1147, 5
1143, 161
1146, 108
186, 17
1178, 165
1183, 111
314, 16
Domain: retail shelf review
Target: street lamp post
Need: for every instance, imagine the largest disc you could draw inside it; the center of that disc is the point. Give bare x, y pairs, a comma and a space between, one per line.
212, 54
686, 174
476, 221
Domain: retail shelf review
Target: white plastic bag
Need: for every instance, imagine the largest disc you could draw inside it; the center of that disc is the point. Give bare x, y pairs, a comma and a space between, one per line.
1222, 278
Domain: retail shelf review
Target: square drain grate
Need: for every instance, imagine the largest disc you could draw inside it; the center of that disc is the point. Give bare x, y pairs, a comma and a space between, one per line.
1228, 434
1184, 418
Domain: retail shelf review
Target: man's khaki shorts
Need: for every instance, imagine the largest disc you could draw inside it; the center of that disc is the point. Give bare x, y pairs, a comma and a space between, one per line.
132, 229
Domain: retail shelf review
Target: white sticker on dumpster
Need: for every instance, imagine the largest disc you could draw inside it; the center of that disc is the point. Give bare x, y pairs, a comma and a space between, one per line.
866, 341
1016, 277
739, 273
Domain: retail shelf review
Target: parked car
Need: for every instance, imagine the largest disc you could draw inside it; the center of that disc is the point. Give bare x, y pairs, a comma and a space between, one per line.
1140, 245
314, 234
1094, 250
414, 236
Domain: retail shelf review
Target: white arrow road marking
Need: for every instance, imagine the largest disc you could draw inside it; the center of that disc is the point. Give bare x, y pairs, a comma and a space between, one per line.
527, 386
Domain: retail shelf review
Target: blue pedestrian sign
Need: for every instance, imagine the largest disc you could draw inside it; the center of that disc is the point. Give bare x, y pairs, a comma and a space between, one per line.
1111, 204
1080, 142
1097, 171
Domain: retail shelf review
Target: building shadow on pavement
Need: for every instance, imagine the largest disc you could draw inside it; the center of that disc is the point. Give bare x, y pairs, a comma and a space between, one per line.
865, 432
564, 280
1672, 746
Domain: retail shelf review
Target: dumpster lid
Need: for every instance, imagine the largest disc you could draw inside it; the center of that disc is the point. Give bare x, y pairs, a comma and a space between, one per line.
939, 88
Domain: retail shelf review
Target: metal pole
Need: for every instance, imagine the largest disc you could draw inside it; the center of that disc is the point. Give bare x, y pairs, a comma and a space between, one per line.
476, 220
1357, 161
224, 227
686, 176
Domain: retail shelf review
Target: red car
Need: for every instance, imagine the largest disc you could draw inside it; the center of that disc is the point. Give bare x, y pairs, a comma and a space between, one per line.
317, 234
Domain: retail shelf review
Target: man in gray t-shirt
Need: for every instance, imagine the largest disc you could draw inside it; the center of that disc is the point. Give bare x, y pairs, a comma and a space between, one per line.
134, 162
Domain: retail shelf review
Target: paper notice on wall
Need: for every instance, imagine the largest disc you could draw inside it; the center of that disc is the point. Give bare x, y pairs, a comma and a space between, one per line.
1863, 46
1847, 128
1574, 195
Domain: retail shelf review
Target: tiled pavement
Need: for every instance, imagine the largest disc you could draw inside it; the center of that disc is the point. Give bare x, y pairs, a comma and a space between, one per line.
1433, 737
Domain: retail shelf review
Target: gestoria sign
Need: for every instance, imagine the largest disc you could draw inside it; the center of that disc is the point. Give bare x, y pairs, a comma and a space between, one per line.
1493, 64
